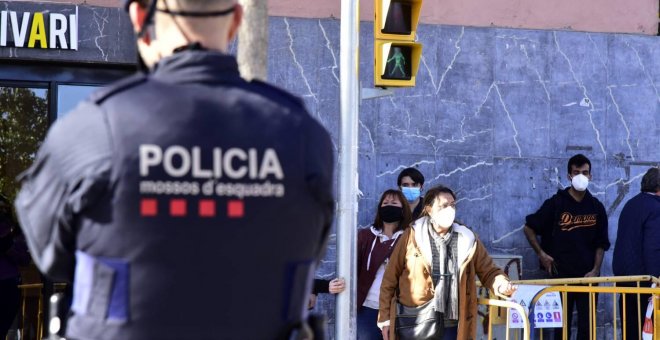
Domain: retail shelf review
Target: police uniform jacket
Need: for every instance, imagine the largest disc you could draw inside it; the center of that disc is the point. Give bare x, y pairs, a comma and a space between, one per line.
183, 204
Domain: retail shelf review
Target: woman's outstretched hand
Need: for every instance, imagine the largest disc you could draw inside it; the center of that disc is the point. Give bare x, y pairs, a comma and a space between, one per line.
507, 288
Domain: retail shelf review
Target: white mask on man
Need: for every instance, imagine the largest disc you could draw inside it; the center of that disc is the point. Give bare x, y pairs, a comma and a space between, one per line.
580, 182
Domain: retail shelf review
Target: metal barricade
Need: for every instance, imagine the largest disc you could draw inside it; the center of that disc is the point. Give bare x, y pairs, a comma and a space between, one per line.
498, 309
494, 305
29, 291
605, 285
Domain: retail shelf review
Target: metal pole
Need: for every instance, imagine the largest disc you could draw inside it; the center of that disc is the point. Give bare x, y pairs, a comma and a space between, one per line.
252, 54
348, 175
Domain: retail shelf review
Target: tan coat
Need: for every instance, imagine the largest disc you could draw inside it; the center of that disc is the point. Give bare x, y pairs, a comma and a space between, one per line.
409, 270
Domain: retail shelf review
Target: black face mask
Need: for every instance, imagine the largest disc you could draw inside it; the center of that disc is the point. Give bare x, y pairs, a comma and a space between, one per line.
390, 213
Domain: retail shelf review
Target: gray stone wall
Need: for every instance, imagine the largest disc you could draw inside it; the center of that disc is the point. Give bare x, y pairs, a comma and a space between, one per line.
495, 115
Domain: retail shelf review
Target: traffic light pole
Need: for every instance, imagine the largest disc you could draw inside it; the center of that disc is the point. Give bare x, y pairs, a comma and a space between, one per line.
345, 311
373, 93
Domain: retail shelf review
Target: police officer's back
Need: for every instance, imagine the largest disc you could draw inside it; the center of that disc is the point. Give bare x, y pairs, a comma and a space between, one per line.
184, 203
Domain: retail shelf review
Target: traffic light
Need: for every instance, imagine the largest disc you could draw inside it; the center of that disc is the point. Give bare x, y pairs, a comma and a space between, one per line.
396, 54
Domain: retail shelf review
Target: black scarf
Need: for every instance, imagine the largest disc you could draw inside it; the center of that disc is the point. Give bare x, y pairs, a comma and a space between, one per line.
445, 272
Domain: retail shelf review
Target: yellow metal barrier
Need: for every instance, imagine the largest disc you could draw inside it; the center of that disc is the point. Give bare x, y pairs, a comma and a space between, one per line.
507, 305
586, 286
27, 291
563, 286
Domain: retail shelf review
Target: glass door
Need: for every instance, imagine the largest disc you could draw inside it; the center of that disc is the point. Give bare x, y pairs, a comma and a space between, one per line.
69, 96
32, 96
23, 125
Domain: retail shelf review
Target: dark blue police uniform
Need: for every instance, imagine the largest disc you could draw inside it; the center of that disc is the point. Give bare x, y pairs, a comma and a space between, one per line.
183, 204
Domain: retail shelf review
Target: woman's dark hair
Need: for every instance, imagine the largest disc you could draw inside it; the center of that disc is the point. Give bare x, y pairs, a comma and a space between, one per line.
651, 180
413, 173
431, 195
407, 215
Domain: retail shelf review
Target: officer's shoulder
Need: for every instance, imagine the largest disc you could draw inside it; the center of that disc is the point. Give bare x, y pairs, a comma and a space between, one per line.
117, 87
277, 94
78, 138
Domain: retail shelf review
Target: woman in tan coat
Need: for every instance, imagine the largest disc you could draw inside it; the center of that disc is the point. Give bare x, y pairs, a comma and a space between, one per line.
436, 262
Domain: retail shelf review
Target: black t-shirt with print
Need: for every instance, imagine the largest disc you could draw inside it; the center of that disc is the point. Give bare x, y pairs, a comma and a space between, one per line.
571, 231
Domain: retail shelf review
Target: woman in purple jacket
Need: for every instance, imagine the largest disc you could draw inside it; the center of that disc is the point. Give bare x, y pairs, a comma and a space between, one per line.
375, 245
13, 252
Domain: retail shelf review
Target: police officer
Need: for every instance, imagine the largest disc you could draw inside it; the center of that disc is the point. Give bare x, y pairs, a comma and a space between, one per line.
183, 202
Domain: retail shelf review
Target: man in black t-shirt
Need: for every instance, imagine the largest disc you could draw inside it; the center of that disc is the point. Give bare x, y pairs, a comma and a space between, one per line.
573, 229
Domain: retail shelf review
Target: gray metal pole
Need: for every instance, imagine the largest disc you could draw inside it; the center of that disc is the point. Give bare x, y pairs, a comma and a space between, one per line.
252, 53
348, 164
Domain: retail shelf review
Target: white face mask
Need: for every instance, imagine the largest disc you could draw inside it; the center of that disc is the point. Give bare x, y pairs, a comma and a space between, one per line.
580, 182
444, 218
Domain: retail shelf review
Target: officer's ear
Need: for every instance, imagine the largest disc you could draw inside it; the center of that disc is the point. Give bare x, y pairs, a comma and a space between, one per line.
236, 20
138, 15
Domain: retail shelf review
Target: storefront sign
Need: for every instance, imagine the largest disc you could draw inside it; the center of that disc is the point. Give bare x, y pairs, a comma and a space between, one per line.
39, 30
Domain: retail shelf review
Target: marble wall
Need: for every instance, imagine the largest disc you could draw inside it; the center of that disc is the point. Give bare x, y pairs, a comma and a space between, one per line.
495, 115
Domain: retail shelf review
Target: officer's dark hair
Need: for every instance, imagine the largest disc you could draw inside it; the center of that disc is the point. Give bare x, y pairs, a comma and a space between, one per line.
431, 195
407, 215
413, 173
651, 180
578, 161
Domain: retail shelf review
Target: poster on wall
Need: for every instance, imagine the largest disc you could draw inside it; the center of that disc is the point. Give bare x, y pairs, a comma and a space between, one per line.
547, 312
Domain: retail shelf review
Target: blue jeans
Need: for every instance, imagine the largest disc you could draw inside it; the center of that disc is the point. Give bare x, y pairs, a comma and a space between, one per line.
10, 299
451, 333
366, 324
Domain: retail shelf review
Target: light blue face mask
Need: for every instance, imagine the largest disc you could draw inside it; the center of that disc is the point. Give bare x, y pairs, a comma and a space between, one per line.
411, 193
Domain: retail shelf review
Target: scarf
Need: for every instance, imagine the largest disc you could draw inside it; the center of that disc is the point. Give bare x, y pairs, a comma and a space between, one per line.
444, 267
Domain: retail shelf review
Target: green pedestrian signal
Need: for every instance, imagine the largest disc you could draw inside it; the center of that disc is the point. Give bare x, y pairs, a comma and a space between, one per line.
396, 54
397, 67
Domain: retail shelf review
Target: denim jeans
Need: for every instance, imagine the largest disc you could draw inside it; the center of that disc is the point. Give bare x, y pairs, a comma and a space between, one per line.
451, 333
366, 324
